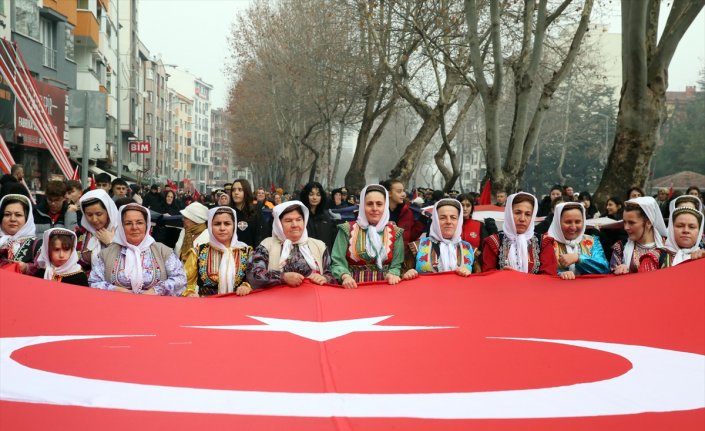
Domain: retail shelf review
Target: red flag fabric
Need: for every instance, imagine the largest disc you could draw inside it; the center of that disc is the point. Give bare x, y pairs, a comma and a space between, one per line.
486, 195
92, 182
495, 351
273, 188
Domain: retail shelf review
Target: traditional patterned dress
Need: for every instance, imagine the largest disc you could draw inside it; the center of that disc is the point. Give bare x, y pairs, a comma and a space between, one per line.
78, 278
427, 251
84, 253
259, 275
495, 254
350, 255
167, 280
644, 258
25, 249
592, 257
203, 264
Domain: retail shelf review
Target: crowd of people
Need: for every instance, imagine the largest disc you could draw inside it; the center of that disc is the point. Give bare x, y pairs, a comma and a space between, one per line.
118, 237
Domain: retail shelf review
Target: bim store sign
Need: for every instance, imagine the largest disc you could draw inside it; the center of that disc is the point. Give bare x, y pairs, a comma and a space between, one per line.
56, 101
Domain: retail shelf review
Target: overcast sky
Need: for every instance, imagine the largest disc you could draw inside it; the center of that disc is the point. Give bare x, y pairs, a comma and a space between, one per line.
193, 34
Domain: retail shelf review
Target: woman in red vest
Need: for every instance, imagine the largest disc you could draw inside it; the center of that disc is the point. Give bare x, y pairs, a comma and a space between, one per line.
474, 231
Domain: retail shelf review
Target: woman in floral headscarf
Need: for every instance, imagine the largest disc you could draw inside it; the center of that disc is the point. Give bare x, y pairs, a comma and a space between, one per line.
371, 248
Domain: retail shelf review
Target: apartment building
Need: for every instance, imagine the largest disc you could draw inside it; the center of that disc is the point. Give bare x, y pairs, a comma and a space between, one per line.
198, 91
179, 120
155, 122
96, 55
221, 150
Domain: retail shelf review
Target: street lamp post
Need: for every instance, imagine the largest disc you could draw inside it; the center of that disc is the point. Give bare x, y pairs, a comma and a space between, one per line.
607, 133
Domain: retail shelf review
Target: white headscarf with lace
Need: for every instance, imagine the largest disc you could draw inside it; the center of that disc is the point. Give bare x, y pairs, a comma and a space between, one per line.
683, 254
28, 229
448, 259
228, 266
374, 245
71, 266
686, 198
518, 242
555, 231
133, 253
653, 213
287, 244
94, 244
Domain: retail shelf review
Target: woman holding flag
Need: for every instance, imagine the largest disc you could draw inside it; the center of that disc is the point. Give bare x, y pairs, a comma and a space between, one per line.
289, 256
371, 248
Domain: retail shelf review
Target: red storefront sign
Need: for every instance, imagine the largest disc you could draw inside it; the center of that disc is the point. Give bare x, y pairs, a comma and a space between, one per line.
56, 101
139, 146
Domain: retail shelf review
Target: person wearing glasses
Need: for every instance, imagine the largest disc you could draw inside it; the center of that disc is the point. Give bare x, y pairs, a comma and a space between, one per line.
134, 262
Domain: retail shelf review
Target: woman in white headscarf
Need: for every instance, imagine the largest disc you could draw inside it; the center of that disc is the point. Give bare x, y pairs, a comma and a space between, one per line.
18, 241
371, 248
646, 231
59, 259
443, 250
517, 247
219, 266
684, 241
99, 220
576, 253
134, 262
289, 255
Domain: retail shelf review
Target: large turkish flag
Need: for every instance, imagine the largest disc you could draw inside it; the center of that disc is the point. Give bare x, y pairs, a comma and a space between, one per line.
498, 351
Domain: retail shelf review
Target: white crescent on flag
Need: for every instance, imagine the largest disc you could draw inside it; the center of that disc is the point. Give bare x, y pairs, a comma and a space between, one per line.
660, 380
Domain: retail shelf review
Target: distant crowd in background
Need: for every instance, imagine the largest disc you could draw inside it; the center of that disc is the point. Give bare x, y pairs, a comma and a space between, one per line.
162, 240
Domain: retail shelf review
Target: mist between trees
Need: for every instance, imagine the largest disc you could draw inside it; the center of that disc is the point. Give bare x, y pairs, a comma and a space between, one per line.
350, 91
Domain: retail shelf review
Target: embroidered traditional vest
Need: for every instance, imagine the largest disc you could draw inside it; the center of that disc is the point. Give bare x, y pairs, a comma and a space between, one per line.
274, 248
111, 257
208, 266
427, 260
534, 253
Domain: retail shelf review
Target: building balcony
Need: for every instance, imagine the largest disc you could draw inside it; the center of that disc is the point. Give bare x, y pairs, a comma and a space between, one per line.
105, 4
87, 31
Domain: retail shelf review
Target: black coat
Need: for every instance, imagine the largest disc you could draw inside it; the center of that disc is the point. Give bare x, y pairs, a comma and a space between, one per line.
322, 227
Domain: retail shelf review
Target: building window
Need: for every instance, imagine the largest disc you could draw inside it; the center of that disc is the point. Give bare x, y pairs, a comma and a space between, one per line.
150, 73
69, 42
27, 18
149, 118
150, 96
83, 4
47, 36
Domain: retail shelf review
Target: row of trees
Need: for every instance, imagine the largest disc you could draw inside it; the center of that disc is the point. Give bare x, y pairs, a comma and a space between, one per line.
308, 72
682, 148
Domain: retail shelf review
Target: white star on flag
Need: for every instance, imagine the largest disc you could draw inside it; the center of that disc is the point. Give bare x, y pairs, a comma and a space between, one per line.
320, 331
